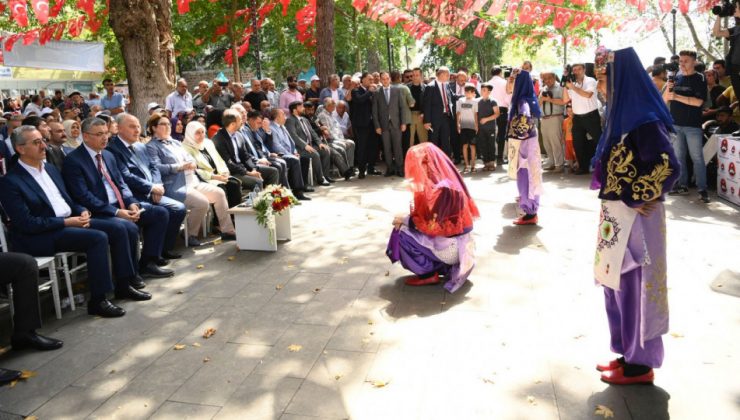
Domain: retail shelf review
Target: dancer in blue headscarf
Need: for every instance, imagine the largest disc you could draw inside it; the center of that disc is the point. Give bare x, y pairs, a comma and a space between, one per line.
634, 167
525, 163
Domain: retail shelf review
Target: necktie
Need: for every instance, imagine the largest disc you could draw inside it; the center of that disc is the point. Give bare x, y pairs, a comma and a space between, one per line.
387, 95
305, 130
115, 189
251, 145
444, 98
234, 144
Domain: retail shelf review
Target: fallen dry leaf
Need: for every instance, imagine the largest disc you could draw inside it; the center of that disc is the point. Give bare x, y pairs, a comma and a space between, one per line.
379, 384
231, 258
179, 292
25, 374
488, 381
531, 400
602, 410
578, 337
370, 322
208, 333
179, 346
337, 377
676, 335
199, 266
196, 344
387, 273
537, 382
294, 348
279, 287
206, 359
12, 384
291, 266
31, 418
112, 371
344, 260
365, 341
317, 290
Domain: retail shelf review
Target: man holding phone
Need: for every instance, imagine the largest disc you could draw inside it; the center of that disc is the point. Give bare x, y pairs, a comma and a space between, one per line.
217, 97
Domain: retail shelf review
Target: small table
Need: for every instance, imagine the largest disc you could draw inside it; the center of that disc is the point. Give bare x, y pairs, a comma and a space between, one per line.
251, 236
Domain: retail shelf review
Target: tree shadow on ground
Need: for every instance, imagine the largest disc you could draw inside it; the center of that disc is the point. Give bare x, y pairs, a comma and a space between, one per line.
515, 238
406, 301
648, 402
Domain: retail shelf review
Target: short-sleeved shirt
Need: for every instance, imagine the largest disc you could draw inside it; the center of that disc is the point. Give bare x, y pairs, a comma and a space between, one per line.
693, 86
222, 101
582, 105
176, 103
115, 101
729, 93
485, 110
466, 109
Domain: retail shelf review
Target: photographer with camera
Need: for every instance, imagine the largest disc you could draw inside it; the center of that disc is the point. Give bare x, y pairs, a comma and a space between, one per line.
581, 92
732, 60
685, 96
216, 97
551, 123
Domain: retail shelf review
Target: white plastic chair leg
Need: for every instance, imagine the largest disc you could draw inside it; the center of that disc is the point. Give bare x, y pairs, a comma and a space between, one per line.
55, 289
68, 282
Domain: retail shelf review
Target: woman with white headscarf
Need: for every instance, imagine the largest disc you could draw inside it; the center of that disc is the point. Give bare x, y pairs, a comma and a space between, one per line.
73, 132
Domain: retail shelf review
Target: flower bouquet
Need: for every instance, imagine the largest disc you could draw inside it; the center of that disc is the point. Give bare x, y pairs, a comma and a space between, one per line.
270, 201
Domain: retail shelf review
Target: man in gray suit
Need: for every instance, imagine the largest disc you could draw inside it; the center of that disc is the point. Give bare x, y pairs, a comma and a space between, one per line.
306, 141
391, 115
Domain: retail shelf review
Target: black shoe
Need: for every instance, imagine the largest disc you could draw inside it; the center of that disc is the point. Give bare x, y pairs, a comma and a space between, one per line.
704, 196
302, 197
161, 262
34, 341
374, 171
133, 294
137, 282
169, 255
151, 271
361, 175
228, 237
324, 183
105, 309
402, 174
193, 241
388, 174
308, 189
330, 180
8, 376
679, 191
348, 174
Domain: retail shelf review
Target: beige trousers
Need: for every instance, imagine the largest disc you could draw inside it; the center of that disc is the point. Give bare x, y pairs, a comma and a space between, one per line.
417, 129
552, 139
198, 199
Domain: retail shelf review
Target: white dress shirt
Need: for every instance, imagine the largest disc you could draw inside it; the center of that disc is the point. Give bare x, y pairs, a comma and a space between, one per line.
60, 206
177, 103
582, 105
9, 143
499, 94
236, 147
112, 199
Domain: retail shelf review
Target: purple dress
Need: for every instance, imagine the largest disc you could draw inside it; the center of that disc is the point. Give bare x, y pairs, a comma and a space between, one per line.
525, 159
639, 169
422, 254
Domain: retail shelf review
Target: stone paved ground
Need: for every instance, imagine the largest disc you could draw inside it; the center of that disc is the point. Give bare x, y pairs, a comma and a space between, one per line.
519, 341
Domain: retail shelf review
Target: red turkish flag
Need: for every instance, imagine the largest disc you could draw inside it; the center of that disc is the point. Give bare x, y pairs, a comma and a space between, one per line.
93, 24
562, 17
578, 19
527, 13
88, 6
543, 13
665, 5
595, 21
243, 48
41, 10
496, 7
478, 5
683, 6
76, 25
30, 36
511, 10
480, 30
58, 4
578, 2
183, 6
46, 33
10, 42
555, 1
19, 13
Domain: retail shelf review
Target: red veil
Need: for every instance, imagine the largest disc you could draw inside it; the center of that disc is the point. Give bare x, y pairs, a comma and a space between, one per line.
442, 205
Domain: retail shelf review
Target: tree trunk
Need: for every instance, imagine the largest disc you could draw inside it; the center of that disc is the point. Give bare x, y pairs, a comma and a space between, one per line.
234, 43
697, 43
373, 59
358, 54
254, 42
325, 40
143, 29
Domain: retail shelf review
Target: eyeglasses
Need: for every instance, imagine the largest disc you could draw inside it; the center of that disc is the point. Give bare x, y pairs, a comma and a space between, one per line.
164, 123
100, 134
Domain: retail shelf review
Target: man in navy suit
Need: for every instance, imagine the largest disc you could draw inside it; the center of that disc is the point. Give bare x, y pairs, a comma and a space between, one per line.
95, 181
144, 179
439, 110
44, 220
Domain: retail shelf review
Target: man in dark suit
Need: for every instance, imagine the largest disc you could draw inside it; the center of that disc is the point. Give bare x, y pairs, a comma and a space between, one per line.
233, 151
329, 155
390, 116
22, 273
258, 134
438, 110
144, 179
361, 116
94, 180
306, 141
45, 220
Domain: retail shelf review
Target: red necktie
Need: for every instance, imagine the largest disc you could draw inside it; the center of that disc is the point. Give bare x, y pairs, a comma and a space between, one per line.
102, 170
444, 98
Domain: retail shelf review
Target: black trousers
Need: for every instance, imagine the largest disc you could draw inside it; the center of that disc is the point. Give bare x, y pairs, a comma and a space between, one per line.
502, 126
21, 272
582, 125
440, 134
249, 182
366, 147
487, 143
233, 190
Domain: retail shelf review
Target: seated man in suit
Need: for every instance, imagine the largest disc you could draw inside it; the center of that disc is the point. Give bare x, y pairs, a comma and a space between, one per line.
44, 220
233, 151
258, 134
335, 157
283, 145
94, 180
144, 178
307, 141
325, 119
253, 148
22, 272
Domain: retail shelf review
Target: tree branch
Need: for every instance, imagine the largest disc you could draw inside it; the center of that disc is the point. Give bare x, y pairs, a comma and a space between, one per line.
697, 42
663, 30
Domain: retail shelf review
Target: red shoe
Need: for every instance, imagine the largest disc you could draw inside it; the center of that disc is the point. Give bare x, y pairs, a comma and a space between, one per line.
416, 281
521, 221
616, 377
611, 365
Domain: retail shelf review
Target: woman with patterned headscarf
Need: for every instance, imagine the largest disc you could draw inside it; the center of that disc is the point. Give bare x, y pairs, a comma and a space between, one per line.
434, 239
634, 166
525, 165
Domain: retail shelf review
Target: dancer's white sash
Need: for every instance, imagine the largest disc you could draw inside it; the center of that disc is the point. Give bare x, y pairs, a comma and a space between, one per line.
514, 145
615, 224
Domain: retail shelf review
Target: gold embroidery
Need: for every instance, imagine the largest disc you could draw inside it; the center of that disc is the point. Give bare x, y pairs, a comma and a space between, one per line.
649, 187
520, 126
619, 169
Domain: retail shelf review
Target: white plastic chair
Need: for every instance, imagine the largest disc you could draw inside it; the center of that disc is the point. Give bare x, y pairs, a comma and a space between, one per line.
205, 225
